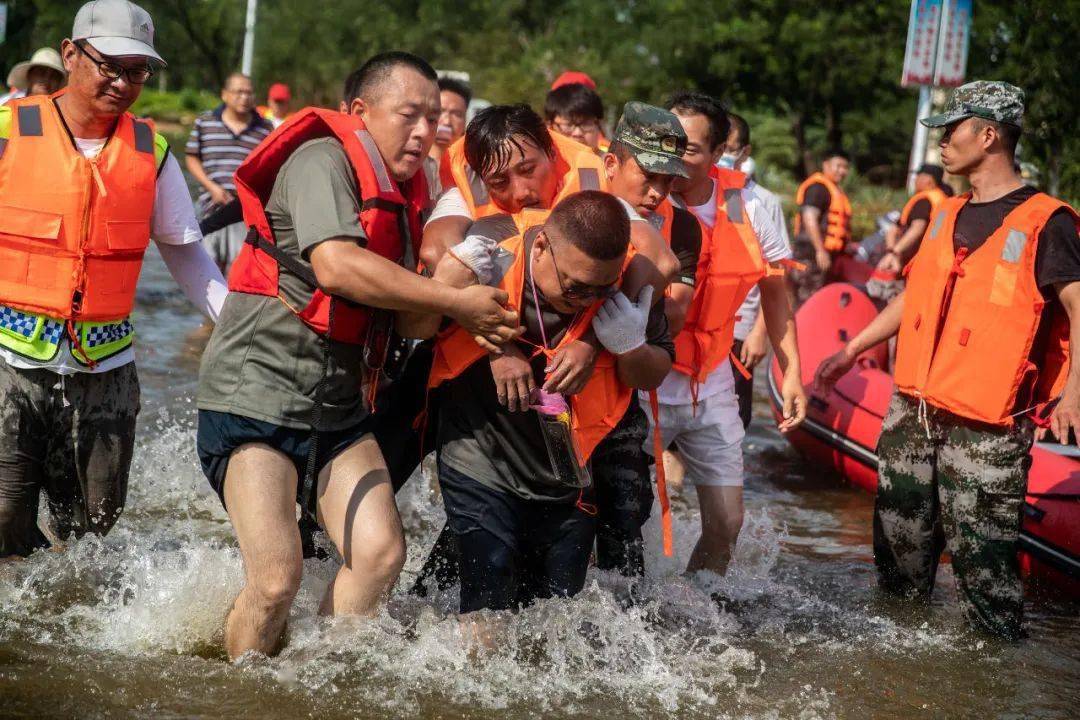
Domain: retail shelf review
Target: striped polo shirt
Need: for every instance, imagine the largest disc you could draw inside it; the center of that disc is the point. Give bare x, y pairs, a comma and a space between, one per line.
220, 150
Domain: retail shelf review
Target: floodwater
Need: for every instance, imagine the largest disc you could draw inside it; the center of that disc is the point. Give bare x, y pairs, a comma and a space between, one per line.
130, 625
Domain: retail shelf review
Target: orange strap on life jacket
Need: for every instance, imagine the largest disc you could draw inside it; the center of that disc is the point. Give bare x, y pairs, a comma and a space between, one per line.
661, 476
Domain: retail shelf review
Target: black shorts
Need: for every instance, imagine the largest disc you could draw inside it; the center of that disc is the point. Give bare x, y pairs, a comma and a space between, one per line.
513, 550
220, 433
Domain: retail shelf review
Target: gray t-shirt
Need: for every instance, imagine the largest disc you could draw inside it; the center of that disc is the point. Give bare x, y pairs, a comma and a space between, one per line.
262, 362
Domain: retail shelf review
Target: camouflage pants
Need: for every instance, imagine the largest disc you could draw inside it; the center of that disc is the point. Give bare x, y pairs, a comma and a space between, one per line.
961, 488
71, 436
624, 496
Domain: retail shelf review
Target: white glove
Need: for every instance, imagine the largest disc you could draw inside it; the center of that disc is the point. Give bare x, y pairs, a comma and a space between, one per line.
620, 324
475, 252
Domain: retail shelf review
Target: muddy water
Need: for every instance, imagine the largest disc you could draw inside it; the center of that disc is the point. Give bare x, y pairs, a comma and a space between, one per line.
130, 625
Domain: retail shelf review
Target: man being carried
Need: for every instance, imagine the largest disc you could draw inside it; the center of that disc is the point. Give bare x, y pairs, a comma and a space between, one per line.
822, 225
697, 404
987, 324
334, 204
515, 484
85, 187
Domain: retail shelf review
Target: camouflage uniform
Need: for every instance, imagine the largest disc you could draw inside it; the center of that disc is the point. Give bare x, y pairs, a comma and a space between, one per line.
620, 466
961, 488
948, 482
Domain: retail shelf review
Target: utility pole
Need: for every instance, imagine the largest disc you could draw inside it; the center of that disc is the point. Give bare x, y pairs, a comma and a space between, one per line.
249, 38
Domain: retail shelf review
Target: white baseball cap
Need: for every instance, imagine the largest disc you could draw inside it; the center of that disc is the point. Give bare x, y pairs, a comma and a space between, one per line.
116, 28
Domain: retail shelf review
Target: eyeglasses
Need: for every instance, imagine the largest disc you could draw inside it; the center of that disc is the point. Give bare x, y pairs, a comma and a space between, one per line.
579, 291
114, 71
585, 126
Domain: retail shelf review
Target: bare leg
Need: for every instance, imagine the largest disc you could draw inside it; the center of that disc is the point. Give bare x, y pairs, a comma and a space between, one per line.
356, 507
721, 520
674, 469
260, 493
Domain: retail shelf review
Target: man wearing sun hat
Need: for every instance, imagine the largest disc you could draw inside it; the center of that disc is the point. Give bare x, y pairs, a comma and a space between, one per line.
85, 186
985, 327
42, 74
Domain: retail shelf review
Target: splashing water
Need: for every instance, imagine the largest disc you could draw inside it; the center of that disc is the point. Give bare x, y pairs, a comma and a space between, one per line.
130, 625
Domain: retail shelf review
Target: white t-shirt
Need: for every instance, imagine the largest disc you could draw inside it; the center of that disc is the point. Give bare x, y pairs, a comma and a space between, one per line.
676, 388
452, 204
748, 312
176, 231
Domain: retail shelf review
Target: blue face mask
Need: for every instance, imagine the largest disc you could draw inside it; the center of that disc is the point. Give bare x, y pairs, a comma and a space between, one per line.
728, 160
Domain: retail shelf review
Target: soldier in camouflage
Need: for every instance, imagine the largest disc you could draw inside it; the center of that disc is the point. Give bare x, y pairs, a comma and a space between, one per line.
655, 140
952, 473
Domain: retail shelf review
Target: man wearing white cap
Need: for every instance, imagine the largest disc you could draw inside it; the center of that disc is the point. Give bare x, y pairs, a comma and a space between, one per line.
85, 186
42, 74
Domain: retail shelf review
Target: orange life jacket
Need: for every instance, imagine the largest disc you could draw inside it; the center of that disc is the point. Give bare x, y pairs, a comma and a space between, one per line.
934, 195
73, 230
577, 166
595, 411
838, 219
970, 320
385, 207
731, 263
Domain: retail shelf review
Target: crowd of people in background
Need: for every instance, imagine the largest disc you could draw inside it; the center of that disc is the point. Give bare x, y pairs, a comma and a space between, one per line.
549, 307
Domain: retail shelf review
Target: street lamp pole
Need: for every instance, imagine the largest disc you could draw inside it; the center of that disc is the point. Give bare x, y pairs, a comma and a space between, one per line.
249, 38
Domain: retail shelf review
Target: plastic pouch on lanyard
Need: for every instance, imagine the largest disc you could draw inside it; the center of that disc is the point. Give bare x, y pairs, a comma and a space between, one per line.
554, 414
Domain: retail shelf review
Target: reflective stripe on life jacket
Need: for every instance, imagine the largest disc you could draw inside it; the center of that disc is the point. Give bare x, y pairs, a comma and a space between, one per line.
838, 218
73, 230
730, 264
970, 320
577, 166
386, 214
596, 410
934, 195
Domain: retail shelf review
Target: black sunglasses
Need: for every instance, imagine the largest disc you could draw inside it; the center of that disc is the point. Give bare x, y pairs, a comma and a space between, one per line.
579, 291
114, 71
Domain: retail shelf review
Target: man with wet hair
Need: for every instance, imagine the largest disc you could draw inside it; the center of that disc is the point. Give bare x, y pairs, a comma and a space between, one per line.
334, 204
576, 111
524, 522
86, 186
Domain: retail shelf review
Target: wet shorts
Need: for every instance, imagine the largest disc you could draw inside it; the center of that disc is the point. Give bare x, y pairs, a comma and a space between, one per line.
514, 550
709, 439
221, 433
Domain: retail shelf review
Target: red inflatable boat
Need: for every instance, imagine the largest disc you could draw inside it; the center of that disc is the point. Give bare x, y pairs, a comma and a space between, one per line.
841, 432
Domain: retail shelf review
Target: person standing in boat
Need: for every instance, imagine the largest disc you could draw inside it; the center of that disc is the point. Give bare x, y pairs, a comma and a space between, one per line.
986, 324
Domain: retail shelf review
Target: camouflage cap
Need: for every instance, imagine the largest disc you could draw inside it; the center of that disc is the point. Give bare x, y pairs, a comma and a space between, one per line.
655, 137
987, 99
